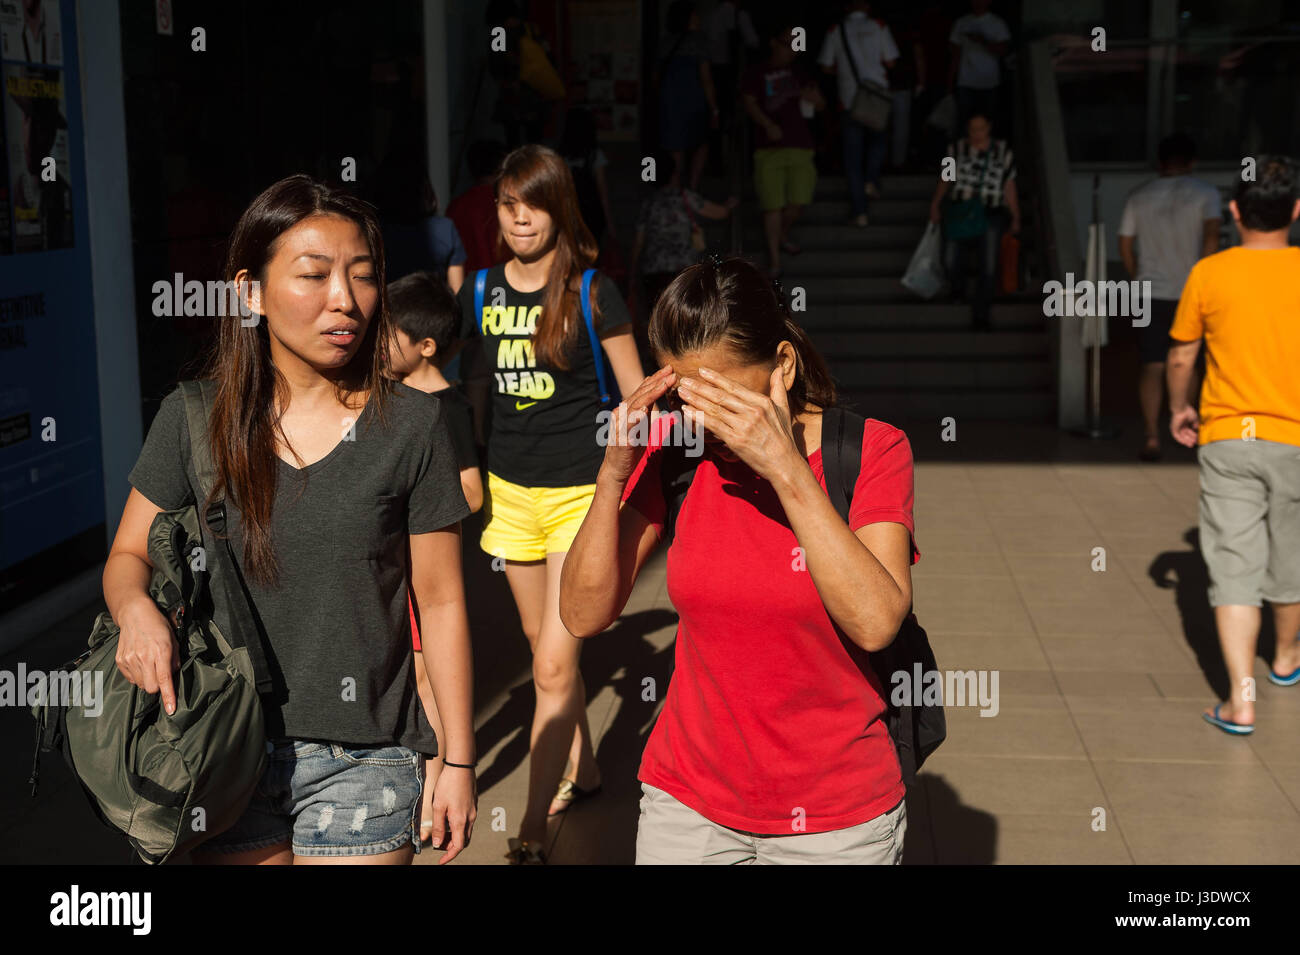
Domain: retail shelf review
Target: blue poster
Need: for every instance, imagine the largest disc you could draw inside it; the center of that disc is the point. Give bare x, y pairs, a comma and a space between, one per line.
51, 471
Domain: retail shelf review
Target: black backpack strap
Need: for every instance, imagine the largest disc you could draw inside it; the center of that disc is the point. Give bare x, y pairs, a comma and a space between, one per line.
242, 631
842, 434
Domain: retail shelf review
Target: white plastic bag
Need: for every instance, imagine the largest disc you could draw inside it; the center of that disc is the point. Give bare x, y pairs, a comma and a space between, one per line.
944, 114
925, 275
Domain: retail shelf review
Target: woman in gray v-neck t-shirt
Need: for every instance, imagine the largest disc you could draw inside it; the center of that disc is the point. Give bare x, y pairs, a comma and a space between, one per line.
342, 493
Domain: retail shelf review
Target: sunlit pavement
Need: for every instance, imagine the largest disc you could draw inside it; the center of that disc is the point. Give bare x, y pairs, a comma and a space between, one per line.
1096, 754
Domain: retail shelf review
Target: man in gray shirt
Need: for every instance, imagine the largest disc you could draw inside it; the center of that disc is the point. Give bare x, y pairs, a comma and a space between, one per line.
1173, 220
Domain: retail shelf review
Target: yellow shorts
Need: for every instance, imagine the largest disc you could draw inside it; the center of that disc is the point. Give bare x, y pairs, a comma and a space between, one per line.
527, 523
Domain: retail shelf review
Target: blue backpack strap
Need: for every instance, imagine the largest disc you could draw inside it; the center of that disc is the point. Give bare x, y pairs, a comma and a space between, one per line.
480, 286
596, 351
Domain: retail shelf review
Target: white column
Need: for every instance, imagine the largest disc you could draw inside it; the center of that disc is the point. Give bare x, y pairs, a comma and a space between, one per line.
437, 117
99, 41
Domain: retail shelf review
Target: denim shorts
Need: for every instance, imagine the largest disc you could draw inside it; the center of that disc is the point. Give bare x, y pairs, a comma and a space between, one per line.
330, 799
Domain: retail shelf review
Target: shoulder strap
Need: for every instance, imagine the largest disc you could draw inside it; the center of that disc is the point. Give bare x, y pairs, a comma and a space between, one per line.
591, 334
242, 631
480, 286
848, 52
841, 456
196, 416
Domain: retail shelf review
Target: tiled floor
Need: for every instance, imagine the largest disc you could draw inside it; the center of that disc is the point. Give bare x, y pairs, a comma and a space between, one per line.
1097, 753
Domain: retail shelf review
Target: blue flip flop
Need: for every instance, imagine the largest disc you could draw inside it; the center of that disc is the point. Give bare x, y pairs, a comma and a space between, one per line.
1236, 729
1291, 680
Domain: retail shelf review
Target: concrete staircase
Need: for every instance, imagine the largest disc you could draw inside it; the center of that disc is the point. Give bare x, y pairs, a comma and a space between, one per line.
894, 356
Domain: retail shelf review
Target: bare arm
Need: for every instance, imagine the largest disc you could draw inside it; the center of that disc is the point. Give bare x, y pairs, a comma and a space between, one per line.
621, 348
718, 210
438, 595
1210, 236
863, 578
1128, 253
936, 216
1180, 366
471, 485
147, 651
455, 277
614, 540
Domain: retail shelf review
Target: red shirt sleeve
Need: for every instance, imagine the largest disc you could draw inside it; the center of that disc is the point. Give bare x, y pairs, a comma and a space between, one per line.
884, 489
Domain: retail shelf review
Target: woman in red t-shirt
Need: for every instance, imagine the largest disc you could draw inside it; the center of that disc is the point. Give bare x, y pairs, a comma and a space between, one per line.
773, 724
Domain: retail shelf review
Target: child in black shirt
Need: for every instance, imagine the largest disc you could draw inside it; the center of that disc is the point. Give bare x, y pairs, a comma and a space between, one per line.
426, 321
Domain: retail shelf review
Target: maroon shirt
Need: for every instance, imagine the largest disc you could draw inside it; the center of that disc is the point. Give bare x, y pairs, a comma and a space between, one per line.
475, 214
776, 90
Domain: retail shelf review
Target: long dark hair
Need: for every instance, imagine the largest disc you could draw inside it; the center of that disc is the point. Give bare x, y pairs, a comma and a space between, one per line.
251, 392
541, 178
729, 302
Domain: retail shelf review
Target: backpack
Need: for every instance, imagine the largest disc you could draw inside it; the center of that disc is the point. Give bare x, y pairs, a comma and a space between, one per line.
608, 397
171, 782
917, 728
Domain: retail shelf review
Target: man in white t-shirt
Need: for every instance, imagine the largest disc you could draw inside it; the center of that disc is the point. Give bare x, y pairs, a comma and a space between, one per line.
873, 52
979, 40
1174, 221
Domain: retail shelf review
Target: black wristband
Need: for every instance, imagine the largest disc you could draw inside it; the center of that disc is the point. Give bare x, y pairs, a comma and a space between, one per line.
461, 765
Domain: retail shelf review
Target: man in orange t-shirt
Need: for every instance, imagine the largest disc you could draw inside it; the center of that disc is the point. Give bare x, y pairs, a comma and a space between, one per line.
1245, 303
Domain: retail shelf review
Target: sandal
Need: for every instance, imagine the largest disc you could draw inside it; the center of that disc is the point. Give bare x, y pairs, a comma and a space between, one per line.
569, 792
525, 853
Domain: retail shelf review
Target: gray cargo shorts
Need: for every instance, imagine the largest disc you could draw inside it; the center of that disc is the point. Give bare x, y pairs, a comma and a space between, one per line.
1250, 521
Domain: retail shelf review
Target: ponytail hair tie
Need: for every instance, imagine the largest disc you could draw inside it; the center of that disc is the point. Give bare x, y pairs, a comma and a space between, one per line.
716, 260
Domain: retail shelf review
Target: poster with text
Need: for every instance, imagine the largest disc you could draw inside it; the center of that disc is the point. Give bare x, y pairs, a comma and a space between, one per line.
36, 133
30, 31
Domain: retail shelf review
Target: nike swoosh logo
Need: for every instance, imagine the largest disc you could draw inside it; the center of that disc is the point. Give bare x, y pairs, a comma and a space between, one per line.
521, 406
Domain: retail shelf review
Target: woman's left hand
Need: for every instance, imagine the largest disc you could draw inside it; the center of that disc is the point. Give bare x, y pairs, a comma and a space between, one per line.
455, 803
756, 428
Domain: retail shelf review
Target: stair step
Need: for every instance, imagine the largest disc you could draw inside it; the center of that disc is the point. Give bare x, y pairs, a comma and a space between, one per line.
922, 374
916, 314
892, 184
838, 235
842, 346
821, 262
883, 211
916, 408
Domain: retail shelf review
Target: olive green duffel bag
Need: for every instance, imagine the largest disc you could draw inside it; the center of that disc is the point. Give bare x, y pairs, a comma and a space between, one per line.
170, 782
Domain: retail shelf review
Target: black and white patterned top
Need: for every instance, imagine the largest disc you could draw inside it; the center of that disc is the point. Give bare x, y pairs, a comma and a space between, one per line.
985, 173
